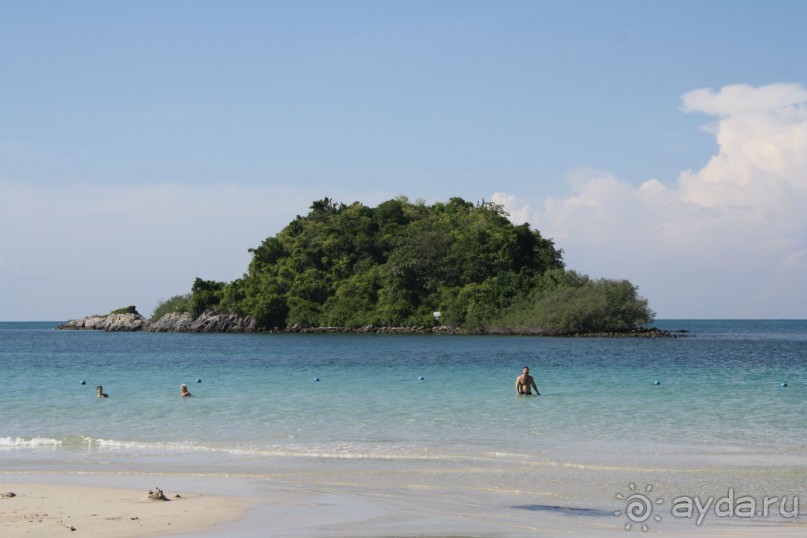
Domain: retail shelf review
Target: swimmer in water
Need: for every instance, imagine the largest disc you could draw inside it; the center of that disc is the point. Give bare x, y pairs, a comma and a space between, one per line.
524, 382
101, 393
183, 390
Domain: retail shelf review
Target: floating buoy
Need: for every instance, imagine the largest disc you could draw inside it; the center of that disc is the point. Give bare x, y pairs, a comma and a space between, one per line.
420, 378
657, 382
83, 382
316, 379
198, 380
783, 385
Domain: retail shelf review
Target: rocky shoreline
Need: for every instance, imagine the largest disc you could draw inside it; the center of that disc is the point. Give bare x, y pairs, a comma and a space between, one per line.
208, 322
211, 322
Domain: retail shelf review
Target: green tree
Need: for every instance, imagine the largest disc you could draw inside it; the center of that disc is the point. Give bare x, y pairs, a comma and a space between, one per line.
177, 303
397, 263
205, 295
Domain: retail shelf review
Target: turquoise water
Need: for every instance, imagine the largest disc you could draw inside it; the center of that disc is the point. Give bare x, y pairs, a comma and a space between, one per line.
719, 409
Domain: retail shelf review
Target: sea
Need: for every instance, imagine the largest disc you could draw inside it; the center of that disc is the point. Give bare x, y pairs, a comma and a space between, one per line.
718, 410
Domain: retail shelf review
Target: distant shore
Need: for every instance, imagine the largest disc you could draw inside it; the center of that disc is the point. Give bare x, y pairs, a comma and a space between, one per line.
210, 322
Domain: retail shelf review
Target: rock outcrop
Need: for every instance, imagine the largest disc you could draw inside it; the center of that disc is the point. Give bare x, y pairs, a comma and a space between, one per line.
208, 322
129, 322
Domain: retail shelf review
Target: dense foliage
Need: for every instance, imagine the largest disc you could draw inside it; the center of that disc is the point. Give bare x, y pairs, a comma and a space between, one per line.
397, 264
177, 303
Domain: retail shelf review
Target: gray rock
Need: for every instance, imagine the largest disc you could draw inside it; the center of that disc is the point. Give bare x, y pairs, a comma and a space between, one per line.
111, 322
208, 322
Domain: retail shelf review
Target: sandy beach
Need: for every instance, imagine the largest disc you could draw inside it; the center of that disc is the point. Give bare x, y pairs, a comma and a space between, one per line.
90, 505
59, 505
204, 507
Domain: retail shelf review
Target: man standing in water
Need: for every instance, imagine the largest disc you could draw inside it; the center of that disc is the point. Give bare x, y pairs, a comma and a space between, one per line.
524, 382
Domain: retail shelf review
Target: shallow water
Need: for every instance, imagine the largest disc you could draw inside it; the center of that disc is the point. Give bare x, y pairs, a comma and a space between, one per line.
353, 411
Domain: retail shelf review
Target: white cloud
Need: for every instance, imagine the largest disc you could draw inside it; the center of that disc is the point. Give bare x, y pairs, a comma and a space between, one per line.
728, 240
762, 134
742, 99
519, 212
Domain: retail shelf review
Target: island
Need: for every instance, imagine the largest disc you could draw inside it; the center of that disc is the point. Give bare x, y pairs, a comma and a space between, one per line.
452, 267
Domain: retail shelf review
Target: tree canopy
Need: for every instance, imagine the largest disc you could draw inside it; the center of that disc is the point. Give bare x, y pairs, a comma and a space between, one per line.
398, 263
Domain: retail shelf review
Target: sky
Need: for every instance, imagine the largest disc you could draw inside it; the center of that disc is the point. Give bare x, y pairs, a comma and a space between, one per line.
144, 144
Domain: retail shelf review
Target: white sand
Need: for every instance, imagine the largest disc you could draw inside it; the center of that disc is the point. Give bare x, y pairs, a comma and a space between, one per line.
58, 509
210, 507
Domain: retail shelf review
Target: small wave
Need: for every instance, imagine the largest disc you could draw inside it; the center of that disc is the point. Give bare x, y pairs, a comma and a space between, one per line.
328, 451
162, 446
29, 442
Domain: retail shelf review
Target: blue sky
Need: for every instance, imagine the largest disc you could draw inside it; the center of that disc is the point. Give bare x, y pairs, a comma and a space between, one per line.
143, 144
